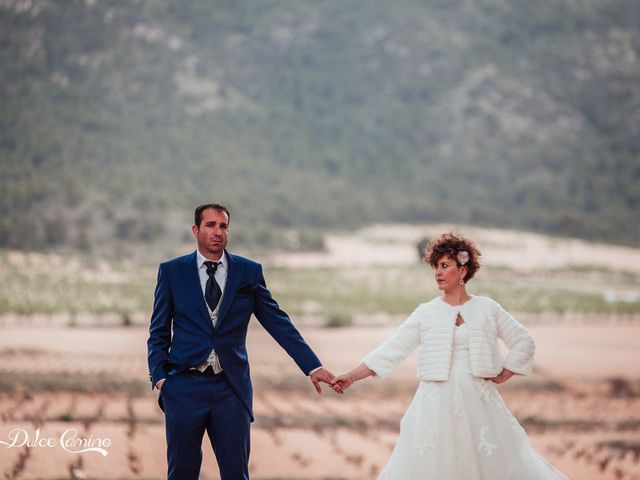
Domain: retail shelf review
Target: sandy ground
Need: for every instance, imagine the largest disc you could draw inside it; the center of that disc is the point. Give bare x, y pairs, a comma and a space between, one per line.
578, 351
395, 244
581, 406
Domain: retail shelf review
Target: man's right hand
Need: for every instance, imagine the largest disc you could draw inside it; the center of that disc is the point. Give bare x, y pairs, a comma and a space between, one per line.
160, 383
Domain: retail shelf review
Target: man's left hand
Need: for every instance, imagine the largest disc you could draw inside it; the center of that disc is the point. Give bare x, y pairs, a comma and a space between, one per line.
321, 375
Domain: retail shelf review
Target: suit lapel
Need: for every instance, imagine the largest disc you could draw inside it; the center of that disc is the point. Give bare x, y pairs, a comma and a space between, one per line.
234, 275
192, 282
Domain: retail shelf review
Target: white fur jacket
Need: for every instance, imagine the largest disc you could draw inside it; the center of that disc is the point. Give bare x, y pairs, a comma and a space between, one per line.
431, 327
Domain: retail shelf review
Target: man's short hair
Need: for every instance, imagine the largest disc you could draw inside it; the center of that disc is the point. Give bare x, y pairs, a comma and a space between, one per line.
197, 215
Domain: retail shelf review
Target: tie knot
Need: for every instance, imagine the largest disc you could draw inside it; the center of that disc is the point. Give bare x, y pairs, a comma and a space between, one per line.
211, 267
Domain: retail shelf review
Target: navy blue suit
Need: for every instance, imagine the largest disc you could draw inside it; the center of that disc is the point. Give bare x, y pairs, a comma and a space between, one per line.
220, 404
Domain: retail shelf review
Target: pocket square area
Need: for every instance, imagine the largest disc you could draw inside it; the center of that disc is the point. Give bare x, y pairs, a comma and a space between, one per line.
246, 289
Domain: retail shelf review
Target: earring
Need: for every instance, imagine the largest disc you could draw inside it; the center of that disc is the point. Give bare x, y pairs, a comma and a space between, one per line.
461, 282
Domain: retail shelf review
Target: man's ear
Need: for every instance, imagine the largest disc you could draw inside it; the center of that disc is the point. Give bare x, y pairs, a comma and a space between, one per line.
194, 230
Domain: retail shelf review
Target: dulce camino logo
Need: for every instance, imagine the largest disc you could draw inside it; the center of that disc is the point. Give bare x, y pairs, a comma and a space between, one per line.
69, 440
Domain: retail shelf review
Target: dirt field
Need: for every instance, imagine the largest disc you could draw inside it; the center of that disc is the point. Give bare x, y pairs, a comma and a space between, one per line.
581, 407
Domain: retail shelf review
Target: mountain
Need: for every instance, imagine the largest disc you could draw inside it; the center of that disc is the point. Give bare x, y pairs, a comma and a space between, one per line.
117, 118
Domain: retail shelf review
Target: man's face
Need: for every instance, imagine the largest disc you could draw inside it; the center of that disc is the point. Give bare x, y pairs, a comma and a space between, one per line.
213, 233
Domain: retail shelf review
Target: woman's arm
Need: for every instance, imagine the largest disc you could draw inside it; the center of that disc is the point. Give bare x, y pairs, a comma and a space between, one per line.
391, 353
381, 361
519, 341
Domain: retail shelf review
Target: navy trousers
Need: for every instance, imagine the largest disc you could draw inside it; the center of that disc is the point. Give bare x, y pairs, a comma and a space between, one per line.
196, 402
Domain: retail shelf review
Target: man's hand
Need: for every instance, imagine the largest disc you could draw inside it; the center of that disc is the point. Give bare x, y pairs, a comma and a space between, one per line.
321, 375
503, 376
159, 384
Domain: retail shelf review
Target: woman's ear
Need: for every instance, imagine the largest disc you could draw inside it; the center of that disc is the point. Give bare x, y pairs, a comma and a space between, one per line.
463, 272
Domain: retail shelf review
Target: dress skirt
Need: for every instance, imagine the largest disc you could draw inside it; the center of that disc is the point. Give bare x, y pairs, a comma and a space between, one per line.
461, 429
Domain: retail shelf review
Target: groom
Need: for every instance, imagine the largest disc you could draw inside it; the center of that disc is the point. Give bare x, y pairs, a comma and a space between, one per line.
202, 370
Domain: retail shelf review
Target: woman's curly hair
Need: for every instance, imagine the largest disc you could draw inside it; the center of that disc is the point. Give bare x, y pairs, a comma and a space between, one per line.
450, 244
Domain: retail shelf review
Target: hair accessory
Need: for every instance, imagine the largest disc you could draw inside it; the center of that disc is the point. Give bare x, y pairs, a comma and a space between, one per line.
462, 257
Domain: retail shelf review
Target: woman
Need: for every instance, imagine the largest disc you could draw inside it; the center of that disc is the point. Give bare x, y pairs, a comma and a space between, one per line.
457, 426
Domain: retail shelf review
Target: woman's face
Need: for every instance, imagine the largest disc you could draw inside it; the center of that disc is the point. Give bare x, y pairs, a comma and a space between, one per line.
448, 274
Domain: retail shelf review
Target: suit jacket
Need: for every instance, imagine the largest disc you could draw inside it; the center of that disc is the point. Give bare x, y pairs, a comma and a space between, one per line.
179, 305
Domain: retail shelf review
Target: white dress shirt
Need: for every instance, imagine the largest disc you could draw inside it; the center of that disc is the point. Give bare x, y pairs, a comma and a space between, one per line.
221, 278
221, 274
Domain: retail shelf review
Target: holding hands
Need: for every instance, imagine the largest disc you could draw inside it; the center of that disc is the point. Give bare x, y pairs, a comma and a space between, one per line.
322, 375
344, 381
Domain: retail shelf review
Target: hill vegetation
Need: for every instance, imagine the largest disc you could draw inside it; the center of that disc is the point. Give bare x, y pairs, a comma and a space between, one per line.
118, 117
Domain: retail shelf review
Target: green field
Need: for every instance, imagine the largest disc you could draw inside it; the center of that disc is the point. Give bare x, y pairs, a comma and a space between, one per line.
123, 292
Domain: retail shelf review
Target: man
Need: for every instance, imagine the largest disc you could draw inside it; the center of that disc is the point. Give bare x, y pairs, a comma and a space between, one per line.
202, 370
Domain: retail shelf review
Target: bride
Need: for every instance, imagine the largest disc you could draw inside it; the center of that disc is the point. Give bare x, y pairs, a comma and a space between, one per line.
457, 426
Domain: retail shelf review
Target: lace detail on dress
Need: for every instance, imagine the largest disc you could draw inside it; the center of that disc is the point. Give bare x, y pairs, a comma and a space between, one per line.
483, 389
489, 394
429, 443
430, 391
485, 446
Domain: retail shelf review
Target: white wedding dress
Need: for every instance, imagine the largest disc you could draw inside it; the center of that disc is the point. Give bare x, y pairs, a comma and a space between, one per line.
461, 429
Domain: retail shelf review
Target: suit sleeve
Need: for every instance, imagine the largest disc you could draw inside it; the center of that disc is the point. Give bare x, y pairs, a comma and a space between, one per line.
279, 325
160, 329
